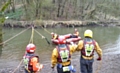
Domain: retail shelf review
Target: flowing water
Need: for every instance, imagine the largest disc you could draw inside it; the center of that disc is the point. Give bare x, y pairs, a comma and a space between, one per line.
12, 51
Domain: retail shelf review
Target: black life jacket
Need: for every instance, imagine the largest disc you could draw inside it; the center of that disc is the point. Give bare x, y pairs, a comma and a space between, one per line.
88, 47
63, 53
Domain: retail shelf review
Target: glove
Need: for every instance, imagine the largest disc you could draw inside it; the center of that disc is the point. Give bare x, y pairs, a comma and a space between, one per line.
99, 58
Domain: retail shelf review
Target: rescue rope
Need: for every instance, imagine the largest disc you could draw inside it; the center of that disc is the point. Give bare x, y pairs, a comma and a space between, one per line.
42, 36
30, 41
46, 30
14, 36
17, 66
39, 34
99, 67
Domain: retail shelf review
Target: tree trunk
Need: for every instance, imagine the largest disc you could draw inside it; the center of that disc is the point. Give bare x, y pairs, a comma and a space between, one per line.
82, 9
59, 8
1, 40
63, 7
12, 4
53, 1
25, 3
37, 8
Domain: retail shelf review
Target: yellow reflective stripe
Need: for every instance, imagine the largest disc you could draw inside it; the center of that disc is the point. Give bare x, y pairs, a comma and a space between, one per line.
27, 70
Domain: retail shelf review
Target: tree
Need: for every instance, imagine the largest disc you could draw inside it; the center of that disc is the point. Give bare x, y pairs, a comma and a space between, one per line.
2, 17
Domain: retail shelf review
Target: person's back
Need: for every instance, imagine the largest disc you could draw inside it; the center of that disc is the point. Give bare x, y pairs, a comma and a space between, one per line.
31, 61
62, 56
87, 48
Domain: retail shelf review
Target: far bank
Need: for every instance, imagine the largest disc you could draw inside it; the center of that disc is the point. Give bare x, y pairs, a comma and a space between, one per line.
53, 24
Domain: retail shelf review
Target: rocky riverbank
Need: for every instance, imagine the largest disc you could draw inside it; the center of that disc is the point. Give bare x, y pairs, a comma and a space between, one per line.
109, 64
52, 24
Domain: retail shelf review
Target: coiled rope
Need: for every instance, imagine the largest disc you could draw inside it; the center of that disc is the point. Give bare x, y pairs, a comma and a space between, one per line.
31, 41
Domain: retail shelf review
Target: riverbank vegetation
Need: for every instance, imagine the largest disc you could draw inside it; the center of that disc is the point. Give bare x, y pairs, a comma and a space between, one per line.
103, 11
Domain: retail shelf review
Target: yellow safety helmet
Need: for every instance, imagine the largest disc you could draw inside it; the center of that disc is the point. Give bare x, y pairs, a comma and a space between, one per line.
88, 33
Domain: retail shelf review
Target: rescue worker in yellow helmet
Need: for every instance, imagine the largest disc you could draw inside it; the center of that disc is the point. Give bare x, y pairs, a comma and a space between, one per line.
54, 36
87, 48
75, 34
31, 61
61, 56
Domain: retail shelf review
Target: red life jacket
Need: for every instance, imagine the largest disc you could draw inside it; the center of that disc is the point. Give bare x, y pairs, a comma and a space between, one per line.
88, 48
66, 53
28, 57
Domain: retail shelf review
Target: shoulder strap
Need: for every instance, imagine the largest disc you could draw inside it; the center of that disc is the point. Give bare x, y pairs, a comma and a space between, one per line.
58, 49
68, 48
34, 56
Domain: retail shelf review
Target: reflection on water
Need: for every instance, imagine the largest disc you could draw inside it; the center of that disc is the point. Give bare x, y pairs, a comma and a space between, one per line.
107, 37
114, 48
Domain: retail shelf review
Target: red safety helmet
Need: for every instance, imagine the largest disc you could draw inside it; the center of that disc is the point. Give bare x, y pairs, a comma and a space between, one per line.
30, 48
61, 40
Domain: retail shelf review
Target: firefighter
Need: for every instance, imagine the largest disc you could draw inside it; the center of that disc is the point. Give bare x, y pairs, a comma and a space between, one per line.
87, 47
31, 61
61, 56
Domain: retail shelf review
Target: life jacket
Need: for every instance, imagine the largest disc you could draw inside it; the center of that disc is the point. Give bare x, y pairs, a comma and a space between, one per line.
27, 59
76, 33
55, 36
63, 53
88, 48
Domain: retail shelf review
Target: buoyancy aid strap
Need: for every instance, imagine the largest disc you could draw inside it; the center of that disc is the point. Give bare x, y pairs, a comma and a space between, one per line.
34, 56
28, 70
30, 66
68, 48
83, 50
94, 42
58, 48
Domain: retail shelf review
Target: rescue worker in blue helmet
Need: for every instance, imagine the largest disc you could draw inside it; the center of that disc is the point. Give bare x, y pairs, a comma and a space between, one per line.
87, 47
31, 61
61, 56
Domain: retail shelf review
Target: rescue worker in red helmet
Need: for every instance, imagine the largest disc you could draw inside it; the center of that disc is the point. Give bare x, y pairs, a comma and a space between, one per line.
75, 34
61, 56
31, 61
54, 36
87, 48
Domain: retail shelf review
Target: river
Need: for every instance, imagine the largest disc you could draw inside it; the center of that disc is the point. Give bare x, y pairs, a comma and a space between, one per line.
12, 51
